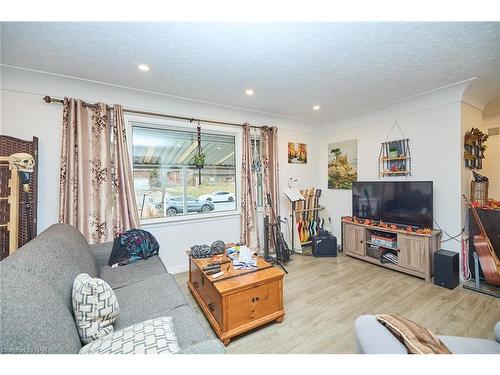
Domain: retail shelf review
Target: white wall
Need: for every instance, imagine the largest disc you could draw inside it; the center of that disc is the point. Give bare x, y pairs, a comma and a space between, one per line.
24, 114
432, 123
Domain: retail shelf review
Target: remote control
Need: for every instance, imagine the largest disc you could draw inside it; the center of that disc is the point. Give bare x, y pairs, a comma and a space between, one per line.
208, 268
211, 272
214, 264
218, 274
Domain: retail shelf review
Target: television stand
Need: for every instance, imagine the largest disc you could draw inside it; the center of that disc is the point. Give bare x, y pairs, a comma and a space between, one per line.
413, 251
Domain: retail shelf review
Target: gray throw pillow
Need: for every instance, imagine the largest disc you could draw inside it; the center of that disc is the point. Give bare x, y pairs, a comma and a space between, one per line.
95, 307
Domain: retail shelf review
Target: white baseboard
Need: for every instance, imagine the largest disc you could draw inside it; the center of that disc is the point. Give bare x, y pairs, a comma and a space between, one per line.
178, 269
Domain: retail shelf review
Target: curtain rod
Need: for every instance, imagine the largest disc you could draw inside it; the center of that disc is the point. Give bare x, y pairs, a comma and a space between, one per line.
49, 99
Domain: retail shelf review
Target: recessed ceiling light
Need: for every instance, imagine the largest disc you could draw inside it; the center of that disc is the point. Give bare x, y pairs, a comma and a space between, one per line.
316, 107
143, 67
249, 92
218, 147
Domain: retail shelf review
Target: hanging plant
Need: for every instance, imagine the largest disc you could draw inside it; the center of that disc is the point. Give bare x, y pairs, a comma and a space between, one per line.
393, 152
199, 160
199, 157
395, 158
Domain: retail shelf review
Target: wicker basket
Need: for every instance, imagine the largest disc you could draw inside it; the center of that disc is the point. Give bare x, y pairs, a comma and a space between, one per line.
479, 192
374, 252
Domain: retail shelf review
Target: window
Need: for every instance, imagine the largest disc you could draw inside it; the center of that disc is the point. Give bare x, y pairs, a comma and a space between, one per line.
166, 180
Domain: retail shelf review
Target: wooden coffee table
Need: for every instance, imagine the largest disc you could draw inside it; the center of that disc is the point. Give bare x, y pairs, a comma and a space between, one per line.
240, 300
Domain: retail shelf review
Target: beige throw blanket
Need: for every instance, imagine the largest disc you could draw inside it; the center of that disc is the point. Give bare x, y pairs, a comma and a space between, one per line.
417, 339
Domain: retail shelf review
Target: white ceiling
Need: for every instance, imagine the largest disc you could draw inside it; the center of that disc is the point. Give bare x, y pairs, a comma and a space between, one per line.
344, 67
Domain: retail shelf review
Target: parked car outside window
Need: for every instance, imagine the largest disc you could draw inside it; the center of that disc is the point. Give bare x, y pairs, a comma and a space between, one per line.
175, 205
218, 196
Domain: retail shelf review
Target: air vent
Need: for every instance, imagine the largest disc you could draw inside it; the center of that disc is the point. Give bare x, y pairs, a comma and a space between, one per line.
494, 131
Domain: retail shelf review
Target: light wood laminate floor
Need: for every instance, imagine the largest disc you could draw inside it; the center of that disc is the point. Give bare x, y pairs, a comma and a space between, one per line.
323, 297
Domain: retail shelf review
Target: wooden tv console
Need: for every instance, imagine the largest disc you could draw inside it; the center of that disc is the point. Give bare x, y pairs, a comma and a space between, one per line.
414, 251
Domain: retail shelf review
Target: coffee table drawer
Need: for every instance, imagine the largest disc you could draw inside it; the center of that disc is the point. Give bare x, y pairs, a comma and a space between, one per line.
254, 303
208, 293
213, 301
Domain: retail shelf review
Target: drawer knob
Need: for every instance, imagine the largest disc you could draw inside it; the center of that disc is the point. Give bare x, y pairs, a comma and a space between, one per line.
196, 285
211, 306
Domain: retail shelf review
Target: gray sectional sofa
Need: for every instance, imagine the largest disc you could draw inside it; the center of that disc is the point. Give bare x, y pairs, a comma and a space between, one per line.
36, 313
373, 338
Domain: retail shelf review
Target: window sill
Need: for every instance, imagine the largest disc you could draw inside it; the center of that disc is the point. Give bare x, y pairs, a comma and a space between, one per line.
188, 219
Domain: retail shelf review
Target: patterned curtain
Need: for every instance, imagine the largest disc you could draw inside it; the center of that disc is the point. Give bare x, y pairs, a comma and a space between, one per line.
91, 191
248, 204
269, 158
126, 207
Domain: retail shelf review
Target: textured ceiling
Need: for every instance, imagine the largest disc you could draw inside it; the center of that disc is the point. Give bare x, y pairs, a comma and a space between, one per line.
344, 67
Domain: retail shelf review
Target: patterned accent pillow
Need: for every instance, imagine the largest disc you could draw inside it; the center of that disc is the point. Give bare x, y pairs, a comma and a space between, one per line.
153, 336
95, 307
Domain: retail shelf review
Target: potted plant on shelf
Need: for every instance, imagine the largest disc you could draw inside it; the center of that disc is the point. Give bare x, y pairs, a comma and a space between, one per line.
199, 160
393, 152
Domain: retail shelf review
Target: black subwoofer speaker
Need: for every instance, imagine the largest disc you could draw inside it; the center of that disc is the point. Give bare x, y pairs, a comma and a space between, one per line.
446, 269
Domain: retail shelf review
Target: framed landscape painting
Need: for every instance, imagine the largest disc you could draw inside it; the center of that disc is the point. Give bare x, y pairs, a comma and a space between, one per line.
297, 153
342, 164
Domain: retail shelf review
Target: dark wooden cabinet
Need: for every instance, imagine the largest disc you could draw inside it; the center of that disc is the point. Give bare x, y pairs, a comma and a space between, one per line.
491, 223
25, 224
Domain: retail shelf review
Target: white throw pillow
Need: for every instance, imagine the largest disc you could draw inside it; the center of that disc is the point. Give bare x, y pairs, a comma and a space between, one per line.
95, 307
153, 336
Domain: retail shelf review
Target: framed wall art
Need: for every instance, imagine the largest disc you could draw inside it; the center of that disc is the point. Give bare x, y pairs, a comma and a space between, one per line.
297, 153
342, 164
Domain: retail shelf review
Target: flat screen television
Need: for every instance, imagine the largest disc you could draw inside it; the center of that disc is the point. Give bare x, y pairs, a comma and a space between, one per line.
396, 202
